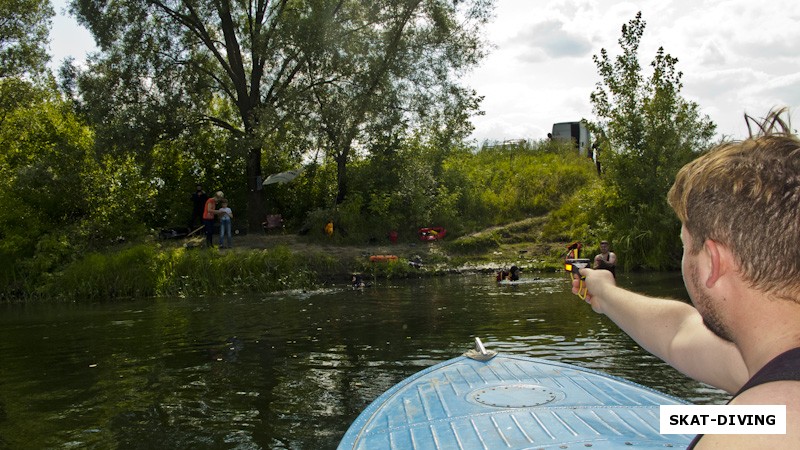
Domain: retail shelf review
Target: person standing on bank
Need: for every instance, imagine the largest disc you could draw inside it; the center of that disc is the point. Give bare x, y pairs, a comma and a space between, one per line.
225, 221
209, 214
606, 260
739, 206
199, 198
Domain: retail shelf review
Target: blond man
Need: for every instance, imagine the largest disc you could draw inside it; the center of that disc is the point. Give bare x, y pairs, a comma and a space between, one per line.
739, 206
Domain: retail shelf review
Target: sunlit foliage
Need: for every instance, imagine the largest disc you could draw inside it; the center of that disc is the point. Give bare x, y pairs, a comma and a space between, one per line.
647, 131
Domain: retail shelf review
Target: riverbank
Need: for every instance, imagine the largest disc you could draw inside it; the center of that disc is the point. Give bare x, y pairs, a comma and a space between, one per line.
262, 263
486, 251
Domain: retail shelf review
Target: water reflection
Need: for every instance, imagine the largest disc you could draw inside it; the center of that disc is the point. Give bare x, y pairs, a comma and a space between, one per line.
289, 370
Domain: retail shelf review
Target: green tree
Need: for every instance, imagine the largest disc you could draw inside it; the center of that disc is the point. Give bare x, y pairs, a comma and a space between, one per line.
42, 156
168, 67
649, 131
63, 198
24, 30
250, 67
393, 65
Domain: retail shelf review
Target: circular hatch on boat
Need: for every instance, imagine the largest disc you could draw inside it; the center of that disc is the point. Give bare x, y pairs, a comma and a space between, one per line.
514, 396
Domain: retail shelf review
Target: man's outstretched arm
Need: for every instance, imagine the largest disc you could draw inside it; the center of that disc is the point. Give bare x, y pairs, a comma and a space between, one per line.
670, 329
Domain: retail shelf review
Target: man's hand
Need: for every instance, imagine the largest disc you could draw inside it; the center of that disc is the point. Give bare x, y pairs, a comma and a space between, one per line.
600, 263
594, 283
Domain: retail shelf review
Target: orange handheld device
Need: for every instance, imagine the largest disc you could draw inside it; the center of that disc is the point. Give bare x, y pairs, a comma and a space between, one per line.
575, 265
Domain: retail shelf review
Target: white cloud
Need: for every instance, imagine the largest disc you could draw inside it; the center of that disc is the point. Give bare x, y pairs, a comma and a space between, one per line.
713, 53
736, 56
549, 39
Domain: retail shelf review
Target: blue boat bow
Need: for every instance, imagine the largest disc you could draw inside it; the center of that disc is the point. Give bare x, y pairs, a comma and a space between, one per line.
484, 400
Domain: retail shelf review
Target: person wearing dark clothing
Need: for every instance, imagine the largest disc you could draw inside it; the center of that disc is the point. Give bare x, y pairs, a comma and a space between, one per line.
198, 198
739, 208
508, 275
785, 367
606, 259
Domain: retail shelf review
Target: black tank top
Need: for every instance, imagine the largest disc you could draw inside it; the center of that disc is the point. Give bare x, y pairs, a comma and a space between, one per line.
785, 367
611, 268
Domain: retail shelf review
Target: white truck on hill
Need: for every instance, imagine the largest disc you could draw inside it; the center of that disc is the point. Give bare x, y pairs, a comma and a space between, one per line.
576, 132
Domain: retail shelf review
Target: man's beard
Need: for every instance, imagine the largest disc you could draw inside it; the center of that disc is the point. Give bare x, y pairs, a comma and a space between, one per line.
707, 308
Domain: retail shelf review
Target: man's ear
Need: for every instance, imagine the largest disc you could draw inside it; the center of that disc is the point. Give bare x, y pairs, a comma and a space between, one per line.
717, 260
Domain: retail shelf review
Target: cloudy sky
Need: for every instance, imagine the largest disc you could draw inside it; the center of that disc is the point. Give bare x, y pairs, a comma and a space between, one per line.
736, 57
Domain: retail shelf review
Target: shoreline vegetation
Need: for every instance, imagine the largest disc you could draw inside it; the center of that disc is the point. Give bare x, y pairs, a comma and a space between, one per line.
262, 263
94, 161
522, 205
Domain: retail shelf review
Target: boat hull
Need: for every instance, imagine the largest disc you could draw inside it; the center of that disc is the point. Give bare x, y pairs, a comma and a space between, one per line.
512, 402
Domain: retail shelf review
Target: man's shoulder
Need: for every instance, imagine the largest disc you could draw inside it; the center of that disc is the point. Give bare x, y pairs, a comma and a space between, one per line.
783, 392
786, 441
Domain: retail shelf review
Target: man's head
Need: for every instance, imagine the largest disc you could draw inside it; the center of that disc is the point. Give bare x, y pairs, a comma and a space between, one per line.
198, 187
604, 247
746, 196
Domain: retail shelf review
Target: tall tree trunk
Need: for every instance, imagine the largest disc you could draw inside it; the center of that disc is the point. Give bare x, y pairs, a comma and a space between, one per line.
341, 175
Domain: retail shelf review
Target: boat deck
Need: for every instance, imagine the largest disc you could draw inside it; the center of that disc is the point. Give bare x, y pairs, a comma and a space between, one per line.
513, 402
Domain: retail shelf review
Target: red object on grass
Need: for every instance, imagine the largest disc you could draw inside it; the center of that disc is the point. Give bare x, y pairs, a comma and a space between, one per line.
431, 233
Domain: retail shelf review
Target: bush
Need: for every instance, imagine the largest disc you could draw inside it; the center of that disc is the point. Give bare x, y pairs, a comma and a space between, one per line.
581, 217
511, 183
197, 272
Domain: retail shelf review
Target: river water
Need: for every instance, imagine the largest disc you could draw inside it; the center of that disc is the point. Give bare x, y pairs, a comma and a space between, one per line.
288, 370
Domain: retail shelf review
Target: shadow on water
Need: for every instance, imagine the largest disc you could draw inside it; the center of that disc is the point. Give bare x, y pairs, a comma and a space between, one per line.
289, 370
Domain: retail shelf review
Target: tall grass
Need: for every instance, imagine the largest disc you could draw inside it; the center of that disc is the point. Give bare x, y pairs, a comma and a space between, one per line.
130, 272
508, 184
146, 271
481, 243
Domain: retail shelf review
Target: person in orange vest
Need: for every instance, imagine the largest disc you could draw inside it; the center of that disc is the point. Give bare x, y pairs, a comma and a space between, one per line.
329, 228
209, 214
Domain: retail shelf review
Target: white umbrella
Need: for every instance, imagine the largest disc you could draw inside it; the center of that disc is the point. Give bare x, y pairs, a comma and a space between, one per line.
282, 177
